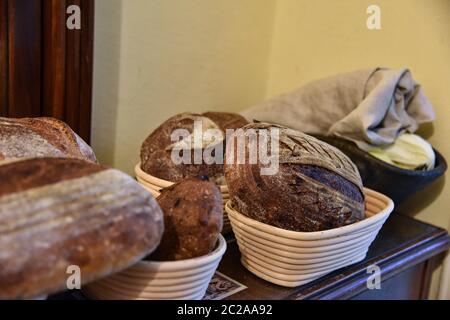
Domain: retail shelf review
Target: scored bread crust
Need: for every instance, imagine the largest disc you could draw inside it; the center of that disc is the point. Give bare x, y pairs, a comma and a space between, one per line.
41, 137
156, 149
226, 120
56, 213
316, 187
156, 152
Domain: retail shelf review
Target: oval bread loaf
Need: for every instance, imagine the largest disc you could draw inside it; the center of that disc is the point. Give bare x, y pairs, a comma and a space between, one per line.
56, 213
41, 137
316, 187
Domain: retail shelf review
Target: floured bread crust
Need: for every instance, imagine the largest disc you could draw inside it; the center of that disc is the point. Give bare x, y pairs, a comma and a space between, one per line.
157, 149
56, 213
316, 187
226, 120
41, 137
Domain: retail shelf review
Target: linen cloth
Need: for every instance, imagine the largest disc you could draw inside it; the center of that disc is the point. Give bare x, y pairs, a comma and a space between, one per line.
371, 107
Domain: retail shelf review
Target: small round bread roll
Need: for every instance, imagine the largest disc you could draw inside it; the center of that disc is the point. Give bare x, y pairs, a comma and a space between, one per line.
315, 187
193, 218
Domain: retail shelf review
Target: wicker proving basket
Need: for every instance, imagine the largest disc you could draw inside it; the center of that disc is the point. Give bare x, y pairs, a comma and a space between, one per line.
151, 280
290, 259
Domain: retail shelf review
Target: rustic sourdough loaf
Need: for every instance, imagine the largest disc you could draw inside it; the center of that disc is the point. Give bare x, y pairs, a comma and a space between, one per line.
41, 137
316, 187
193, 218
226, 120
157, 148
56, 213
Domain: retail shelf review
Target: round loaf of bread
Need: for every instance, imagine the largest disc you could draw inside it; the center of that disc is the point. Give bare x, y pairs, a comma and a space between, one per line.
315, 186
41, 137
193, 218
157, 149
62, 217
226, 120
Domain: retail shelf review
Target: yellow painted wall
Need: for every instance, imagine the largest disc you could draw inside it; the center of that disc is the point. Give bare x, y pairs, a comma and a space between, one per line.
156, 58
312, 39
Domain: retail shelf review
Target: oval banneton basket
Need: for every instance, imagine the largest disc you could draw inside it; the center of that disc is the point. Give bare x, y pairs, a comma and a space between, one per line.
151, 280
154, 186
291, 259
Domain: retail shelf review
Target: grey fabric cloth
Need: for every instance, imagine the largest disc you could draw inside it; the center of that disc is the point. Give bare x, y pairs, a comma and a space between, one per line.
370, 107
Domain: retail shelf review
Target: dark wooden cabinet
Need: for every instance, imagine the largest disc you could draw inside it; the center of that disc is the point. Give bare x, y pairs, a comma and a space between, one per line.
45, 68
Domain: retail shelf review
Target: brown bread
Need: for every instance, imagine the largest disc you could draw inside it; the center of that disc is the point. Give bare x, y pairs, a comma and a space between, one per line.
41, 137
226, 120
157, 148
55, 213
316, 187
193, 218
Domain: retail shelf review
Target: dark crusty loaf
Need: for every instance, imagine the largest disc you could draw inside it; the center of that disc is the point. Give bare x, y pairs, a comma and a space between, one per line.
316, 187
55, 213
226, 120
157, 148
193, 218
41, 137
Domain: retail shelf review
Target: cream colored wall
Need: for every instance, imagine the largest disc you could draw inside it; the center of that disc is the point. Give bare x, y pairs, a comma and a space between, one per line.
313, 39
156, 58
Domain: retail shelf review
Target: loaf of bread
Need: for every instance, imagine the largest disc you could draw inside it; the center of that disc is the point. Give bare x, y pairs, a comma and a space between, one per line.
226, 120
41, 137
316, 187
156, 151
56, 213
193, 218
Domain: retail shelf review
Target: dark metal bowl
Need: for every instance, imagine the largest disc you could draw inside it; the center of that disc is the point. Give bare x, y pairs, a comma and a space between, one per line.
397, 183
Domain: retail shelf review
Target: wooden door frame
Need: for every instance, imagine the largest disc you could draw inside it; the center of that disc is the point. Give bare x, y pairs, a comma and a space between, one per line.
3, 58
45, 68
